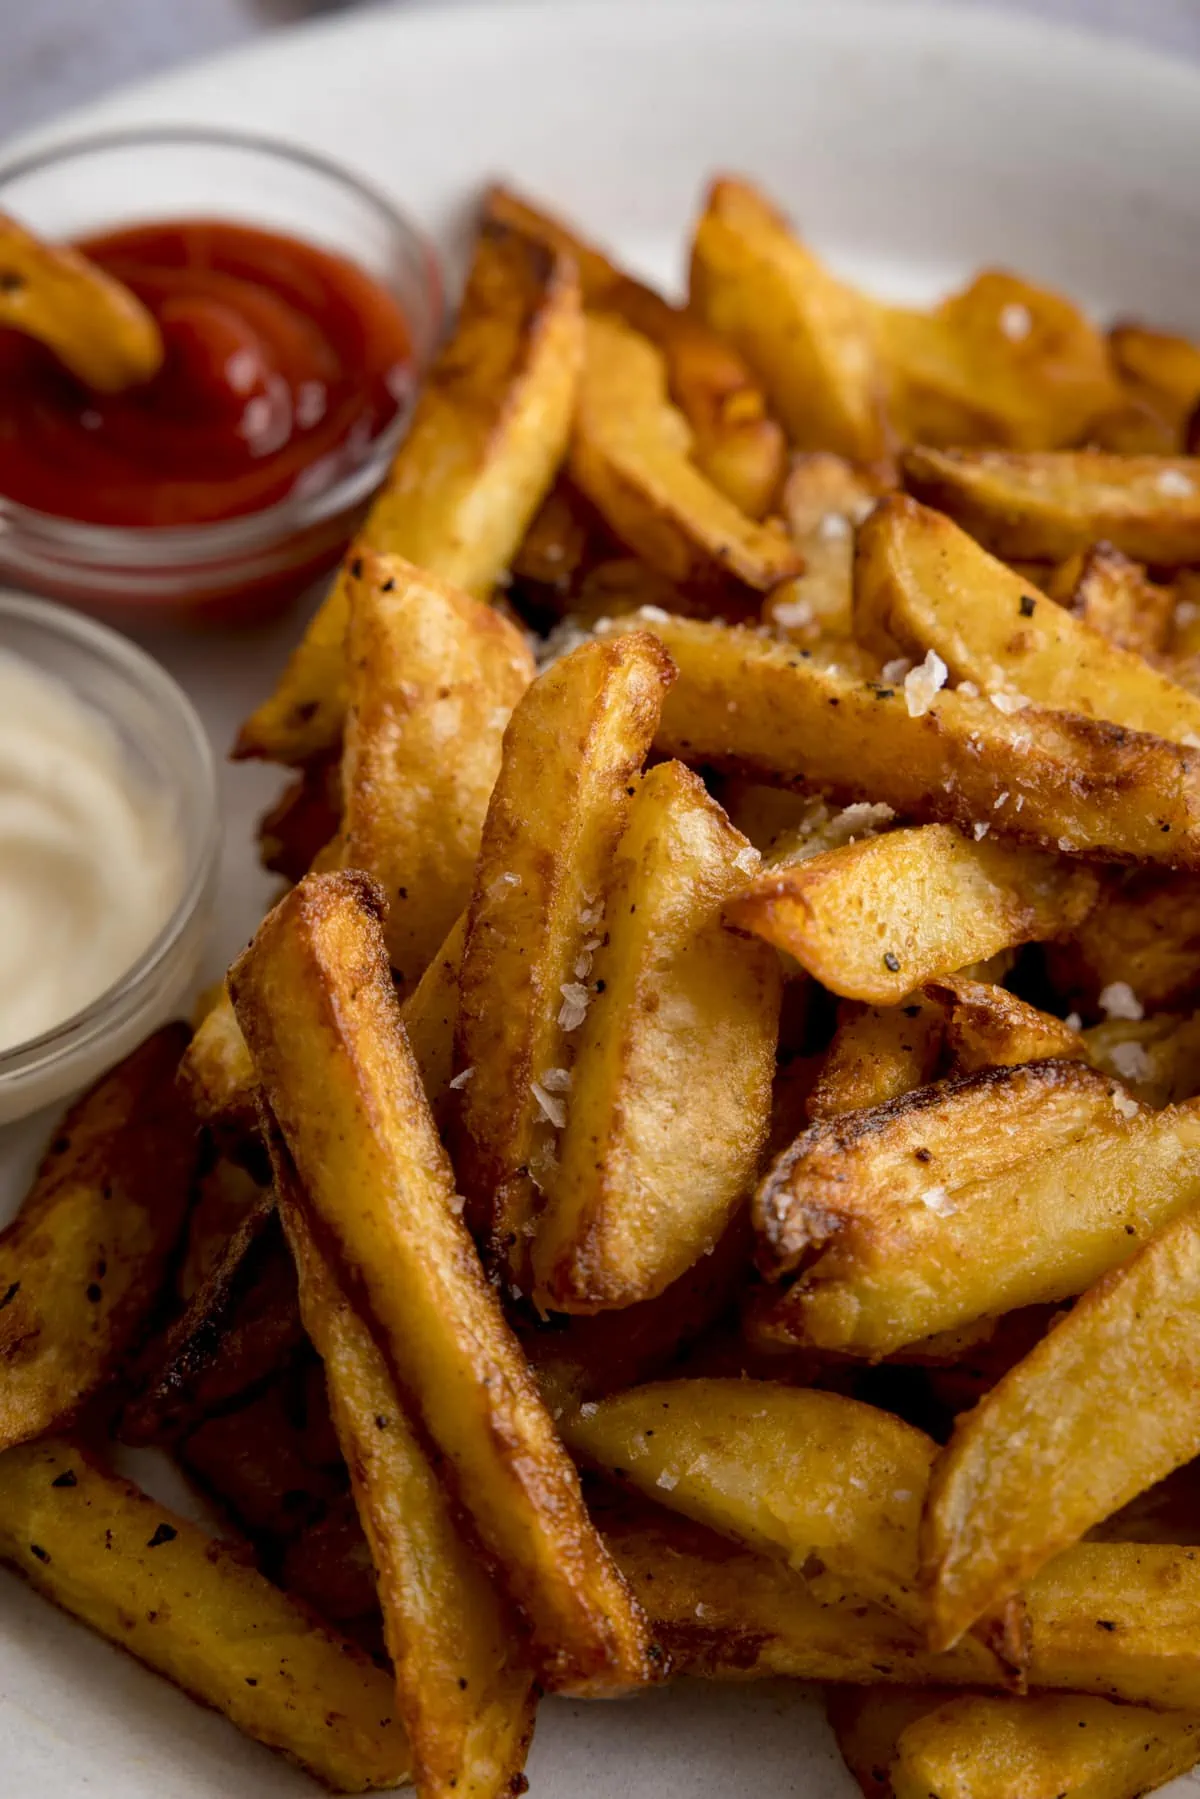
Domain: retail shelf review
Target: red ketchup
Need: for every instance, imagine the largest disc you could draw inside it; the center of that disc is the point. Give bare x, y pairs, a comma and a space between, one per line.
283, 365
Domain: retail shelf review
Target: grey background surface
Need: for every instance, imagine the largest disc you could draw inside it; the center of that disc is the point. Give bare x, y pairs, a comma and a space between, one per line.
55, 54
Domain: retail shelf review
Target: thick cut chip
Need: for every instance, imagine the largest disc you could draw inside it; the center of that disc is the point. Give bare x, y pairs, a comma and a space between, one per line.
1042, 508
191, 1609
1107, 1404
1157, 1058
808, 337
1159, 369
725, 1613
575, 743
430, 1015
217, 1074
1118, 1619
1144, 931
632, 455
488, 435
1042, 1747
921, 585
1114, 595
877, 1053
803, 1475
303, 822
82, 1263
739, 448
465, 1699
825, 499
315, 999
988, 1027
751, 707
868, 1721
670, 1095
432, 676
93, 323
1011, 1187
875, 919
1002, 362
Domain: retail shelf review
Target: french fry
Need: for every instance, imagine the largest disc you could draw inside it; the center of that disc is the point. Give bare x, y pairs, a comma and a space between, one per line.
240, 1326
564, 539
875, 919
254, 1460
877, 1053
92, 322
462, 1691
1143, 930
83, 1261
1118, 1619
1002, 362
430, 1015
1045, 507
1103, 1407
303, 821
921, 584
868, 1721
1114, 596
315, 1000
825, 499
988, 1027
432, 676
1043, 1747
951, 1204
1157, 1058
217, 1075
328, 1566
725, 1613
191, 1609
631, 454
808, 337
559, 806
1159, 369
1054, 780
737, 445
794, 1473
671, 1090
225, 1193
489, 432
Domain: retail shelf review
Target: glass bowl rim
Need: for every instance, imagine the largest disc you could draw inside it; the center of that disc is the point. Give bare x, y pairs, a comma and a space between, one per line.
200, 850
229, 538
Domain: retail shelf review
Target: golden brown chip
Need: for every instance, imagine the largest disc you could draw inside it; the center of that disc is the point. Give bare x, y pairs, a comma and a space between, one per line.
94, 325
877, 1053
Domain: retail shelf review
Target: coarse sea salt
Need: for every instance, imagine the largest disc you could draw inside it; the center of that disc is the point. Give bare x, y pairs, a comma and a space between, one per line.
1131, 1061
922, 684
1118, 1000
1015, 321
1175, 484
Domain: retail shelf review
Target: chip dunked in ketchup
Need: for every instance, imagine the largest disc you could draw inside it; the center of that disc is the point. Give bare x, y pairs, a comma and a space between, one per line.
283, 365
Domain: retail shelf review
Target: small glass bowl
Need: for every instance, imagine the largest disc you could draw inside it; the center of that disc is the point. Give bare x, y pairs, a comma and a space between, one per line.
170, 756
252, 566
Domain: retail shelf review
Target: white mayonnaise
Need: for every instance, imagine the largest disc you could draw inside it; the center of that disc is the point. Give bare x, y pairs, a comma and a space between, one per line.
90, 860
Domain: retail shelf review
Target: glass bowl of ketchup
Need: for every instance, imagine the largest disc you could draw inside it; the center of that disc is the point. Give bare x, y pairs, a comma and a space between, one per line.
298, 311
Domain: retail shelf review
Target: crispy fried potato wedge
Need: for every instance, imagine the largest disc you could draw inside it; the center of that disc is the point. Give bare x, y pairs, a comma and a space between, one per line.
91, 321
877, 1053
824, 500
430, 1016
315, 999
328, 1565
1118, 1619
303, 821
740, 449
560, 803
486, 440
877, 918
465, 1698
1157, 1058
725, 1613
1103, 1407
1002, 362
786, 1471
988, 1027
922, 584
82, 1263
1114, 595
1143, 930
225, 1194
1042, 1747
1045, 507
192, 1610
216, 1072
867, 1723
432, 676
808, 337
1160, 369
240, 1326
255, 1462
670, 1095
1052, 779
631, 454
951, 1204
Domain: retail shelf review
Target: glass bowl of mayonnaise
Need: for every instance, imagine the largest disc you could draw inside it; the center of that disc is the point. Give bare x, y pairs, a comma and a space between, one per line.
108, 850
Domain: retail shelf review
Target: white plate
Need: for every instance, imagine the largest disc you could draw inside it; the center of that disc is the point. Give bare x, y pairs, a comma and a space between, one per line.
913, 144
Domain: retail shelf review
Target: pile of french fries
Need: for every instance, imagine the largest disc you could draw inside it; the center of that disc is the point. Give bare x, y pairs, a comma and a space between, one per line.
699, 1173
